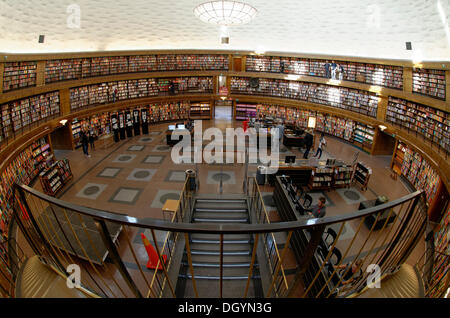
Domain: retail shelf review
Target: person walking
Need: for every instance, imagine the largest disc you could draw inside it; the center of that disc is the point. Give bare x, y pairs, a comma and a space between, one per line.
308, 143
322, 143
84, 143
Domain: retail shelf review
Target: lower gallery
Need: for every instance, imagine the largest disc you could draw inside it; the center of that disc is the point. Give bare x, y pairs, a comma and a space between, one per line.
222, 174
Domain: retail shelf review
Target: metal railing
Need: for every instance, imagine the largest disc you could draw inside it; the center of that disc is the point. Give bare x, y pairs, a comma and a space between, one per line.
279, 285
112, 258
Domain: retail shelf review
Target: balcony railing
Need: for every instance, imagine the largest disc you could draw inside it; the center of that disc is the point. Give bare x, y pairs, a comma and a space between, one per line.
112, 258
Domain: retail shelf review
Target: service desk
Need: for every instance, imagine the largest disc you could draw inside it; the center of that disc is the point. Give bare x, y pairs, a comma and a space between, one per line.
292, 140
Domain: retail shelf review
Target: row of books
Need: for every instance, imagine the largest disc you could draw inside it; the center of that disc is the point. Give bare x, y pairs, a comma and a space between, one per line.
19, 75
374, 74
417, 170
339, 97
360, 134
18, 114
331, 177
429, 82
121, 90
23, 169
431, 123
68, 69
441, 261
55, 176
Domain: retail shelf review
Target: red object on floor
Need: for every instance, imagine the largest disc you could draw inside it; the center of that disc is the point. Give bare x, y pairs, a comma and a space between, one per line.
245, 125
25, 215
152, 255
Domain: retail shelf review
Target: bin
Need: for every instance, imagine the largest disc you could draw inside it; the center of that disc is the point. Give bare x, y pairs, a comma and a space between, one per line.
192, 182
261, 175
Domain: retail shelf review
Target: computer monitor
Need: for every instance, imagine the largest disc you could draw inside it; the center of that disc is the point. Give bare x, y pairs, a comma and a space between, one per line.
171, 127
289, 159
180, 127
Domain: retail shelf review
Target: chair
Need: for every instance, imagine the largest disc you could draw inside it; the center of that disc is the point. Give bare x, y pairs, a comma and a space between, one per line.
307, 200
329, 236
335, 257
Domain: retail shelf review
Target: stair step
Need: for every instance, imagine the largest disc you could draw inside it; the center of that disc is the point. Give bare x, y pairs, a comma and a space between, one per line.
213, 220
221, 200
216, 265
216, 237
225, 253
189, 276
204, 241
221, 210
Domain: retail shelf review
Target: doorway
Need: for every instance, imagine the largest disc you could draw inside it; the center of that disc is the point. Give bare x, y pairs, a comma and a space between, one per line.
223, 110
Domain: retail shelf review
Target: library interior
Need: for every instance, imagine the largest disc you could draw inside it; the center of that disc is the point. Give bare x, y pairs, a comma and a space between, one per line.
348, 100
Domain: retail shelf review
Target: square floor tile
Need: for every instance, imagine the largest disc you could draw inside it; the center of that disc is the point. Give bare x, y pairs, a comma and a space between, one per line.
136, 148
139, 174
91, 191
154, 159
176, 176
162, 148
126, 195
227, 177
146, 139
162, 196
109, 172
124, 158
351, 195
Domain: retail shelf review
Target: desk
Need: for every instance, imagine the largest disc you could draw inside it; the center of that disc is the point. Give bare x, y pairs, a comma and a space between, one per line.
170, 207
171, 141
370, 220
292, 140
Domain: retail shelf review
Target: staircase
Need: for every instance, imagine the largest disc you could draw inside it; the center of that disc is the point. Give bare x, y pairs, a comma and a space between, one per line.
205, 251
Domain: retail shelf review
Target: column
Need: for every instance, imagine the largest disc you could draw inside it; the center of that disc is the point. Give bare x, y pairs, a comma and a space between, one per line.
407, 79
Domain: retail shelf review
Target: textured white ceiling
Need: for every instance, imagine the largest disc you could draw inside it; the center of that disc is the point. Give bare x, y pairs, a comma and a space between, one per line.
375, 28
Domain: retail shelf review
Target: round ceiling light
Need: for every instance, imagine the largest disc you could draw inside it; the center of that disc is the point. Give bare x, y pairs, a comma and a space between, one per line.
225, 12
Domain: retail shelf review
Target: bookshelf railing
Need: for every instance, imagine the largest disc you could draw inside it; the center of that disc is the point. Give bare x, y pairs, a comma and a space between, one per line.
388, 246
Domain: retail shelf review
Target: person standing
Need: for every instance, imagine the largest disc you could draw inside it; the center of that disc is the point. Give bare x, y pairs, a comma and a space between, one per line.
308, 143
92, 139
84, 143
322, 143
280, 127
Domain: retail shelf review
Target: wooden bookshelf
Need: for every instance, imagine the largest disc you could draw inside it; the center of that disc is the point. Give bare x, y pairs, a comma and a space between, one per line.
373, 74
200, 110
364, 136
19, 114
245, 111
362, 175
429, 82
17, 75
23, 169
63, 70
321, 178
415, 169
432, 124
342, 176
55, 177
362, 102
